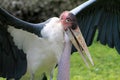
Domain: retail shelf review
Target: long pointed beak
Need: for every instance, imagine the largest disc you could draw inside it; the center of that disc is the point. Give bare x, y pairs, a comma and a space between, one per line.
79, 43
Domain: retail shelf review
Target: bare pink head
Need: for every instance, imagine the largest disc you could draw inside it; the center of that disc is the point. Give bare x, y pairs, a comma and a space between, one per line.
68, 20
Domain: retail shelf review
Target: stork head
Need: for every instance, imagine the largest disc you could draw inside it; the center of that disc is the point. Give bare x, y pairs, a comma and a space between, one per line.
71, 27
68, 20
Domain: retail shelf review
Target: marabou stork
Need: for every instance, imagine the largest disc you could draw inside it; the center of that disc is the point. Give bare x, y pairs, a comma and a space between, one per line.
101, 15
42, 46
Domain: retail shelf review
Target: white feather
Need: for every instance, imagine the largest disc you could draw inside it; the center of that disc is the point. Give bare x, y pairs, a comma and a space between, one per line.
42, 53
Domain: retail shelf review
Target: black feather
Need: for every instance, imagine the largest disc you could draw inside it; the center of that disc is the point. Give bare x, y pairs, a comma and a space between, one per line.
110, 31
9, 19
13, 62
104, 16
116, 34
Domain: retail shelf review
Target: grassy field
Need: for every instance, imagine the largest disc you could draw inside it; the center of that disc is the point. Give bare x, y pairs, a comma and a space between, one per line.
107, 65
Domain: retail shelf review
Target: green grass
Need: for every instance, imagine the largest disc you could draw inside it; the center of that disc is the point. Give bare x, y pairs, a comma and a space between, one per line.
107, 65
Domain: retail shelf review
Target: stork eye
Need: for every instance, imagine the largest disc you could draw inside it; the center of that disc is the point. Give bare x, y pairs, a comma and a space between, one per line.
67, 20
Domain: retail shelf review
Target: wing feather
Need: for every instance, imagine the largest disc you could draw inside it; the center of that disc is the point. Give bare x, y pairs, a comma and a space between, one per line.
13, 62
116, 34
104, 16
109, 32
8, 19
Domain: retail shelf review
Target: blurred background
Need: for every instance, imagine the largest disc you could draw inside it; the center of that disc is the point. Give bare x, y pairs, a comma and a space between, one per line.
38, 10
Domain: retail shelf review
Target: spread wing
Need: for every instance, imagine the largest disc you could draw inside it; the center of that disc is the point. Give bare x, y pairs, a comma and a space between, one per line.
102, 16
13, 62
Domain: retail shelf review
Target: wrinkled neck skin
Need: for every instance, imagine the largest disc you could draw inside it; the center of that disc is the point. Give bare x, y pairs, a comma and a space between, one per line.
64, 64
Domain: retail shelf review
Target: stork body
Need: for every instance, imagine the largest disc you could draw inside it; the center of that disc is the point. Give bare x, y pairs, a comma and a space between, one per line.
38, 46
51, 45
36, 49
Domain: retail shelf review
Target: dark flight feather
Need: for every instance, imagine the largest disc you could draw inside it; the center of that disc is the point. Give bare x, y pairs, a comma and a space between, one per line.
104, 16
